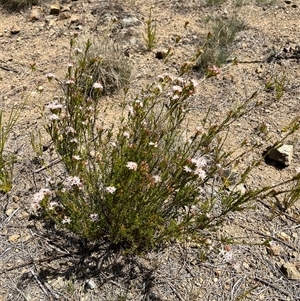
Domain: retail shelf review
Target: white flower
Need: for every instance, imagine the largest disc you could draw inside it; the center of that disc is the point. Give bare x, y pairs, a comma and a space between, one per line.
194, 83
74, 140
139, 102
53, 117
98, 86
94, 217
131, 110
52, 205
110, 189
126, 134
157, 179
153, 144
69, 82
70, 129
77, 51
131, 165
76, 158
200, 173
187, 169
66, 220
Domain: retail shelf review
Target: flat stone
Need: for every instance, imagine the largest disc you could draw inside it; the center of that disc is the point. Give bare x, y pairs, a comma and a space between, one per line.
274, 249
290, 271
35, 14
240, 188
14, 238
55, 9
131, 21
75, 20
282, 154
15, 29
64, 15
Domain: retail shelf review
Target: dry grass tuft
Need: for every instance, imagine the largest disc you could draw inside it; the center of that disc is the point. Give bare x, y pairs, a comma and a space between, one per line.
107, 63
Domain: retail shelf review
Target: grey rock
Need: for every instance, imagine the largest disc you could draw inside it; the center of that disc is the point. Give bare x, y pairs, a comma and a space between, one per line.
131, 21
90, 284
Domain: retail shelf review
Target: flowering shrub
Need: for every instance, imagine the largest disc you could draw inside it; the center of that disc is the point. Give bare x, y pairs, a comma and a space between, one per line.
143, 183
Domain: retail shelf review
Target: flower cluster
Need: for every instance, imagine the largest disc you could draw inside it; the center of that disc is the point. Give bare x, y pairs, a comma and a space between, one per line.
200, 163
71, 182
39, 196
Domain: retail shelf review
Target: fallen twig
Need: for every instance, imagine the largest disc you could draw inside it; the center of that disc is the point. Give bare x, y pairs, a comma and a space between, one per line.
35, 261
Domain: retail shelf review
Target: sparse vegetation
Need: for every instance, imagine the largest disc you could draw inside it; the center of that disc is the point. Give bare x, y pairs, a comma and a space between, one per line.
7, 159
216, 48
278, 85
150, 36
142, 184
104, 62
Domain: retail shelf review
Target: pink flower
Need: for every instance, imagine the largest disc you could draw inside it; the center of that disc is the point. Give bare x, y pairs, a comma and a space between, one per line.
39, 196
200, 162
177, 88
73, 181
50, 76
54, 107
131, 165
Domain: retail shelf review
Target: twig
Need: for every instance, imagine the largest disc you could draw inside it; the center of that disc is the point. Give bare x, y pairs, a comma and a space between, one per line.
267, 236
55, 161
35, 261
9, 218
8, 69
265, 282
175, 291
39, 282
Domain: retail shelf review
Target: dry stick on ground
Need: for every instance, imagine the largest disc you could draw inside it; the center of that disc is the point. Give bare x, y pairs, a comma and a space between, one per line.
265, 282
8, 69
267, 236
35, 261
